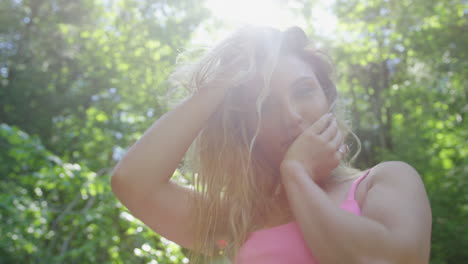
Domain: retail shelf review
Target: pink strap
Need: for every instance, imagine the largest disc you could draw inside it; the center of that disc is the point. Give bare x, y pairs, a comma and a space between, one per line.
355, 184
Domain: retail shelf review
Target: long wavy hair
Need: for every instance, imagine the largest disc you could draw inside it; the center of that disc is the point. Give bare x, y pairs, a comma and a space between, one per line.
232, 192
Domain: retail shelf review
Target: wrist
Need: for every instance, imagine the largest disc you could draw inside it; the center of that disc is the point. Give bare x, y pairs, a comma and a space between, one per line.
211, 94
291, 167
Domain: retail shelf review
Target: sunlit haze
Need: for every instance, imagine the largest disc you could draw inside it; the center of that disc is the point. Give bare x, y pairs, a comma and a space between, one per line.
274, 13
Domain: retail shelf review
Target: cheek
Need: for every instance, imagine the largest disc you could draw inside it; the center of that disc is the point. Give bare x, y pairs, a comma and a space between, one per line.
264, 137
269, 140
268, 149
315, 108
314, 111
267, 128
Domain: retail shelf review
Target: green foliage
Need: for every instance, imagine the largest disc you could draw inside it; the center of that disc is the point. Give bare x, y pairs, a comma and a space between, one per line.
88, 76
402, 68
85, 78
404, 64
58, 212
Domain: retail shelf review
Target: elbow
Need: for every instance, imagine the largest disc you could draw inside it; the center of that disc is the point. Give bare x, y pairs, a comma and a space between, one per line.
413, 251
409, 256
118, 175
415, 258
398, 254
116, 182
122, 188
127, 188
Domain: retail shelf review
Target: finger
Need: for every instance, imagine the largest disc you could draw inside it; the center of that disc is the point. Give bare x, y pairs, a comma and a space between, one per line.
337, 141
330, 132
343, 150
339, 155
321, 124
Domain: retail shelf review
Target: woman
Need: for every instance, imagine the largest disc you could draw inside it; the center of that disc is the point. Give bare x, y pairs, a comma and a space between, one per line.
272, 181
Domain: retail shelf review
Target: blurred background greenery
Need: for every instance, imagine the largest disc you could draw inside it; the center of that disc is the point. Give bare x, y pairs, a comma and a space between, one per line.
81, 80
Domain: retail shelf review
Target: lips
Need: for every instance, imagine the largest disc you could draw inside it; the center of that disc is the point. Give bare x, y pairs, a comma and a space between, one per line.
288, 142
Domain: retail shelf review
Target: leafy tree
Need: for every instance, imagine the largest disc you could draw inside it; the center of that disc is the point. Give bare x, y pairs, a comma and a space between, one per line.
58, 212
88, 76
85, 78
402, 66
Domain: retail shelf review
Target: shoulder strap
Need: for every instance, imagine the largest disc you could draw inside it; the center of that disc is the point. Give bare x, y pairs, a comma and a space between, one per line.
355, 184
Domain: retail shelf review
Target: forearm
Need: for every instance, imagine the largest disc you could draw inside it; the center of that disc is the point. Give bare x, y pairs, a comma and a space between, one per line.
332, 234
155, 156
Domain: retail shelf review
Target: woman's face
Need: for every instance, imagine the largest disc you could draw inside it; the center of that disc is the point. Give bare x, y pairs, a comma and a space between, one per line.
296, 100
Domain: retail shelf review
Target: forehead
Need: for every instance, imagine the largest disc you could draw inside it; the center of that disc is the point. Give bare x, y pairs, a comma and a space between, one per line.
289, 68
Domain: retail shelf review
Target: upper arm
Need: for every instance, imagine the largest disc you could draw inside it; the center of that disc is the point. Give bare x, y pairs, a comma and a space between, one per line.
169, 210
397, 199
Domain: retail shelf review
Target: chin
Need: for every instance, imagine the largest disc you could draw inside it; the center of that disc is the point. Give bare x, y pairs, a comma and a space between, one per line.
273, 156
277, 161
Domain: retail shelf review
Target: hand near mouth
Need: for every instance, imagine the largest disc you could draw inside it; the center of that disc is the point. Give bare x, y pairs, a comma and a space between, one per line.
319, 149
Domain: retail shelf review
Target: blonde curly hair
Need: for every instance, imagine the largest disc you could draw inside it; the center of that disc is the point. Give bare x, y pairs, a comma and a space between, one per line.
226, 171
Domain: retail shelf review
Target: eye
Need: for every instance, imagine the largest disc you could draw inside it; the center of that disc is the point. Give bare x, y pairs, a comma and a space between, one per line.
304, 90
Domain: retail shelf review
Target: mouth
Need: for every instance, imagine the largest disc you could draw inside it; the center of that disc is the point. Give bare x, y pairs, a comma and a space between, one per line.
288, 142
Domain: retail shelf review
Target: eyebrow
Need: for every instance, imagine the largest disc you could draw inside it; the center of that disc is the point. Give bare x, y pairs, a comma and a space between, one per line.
296, 82
302, 79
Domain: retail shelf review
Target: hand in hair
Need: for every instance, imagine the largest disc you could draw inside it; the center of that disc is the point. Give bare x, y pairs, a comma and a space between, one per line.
317, 149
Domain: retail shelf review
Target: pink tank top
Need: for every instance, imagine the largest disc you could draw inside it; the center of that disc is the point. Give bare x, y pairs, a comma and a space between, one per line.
284, 243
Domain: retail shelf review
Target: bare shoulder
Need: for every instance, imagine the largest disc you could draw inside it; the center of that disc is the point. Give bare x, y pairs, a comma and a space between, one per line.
398, 200
394, 173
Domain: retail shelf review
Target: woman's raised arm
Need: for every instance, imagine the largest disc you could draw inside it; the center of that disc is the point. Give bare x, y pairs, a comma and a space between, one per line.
141, 180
